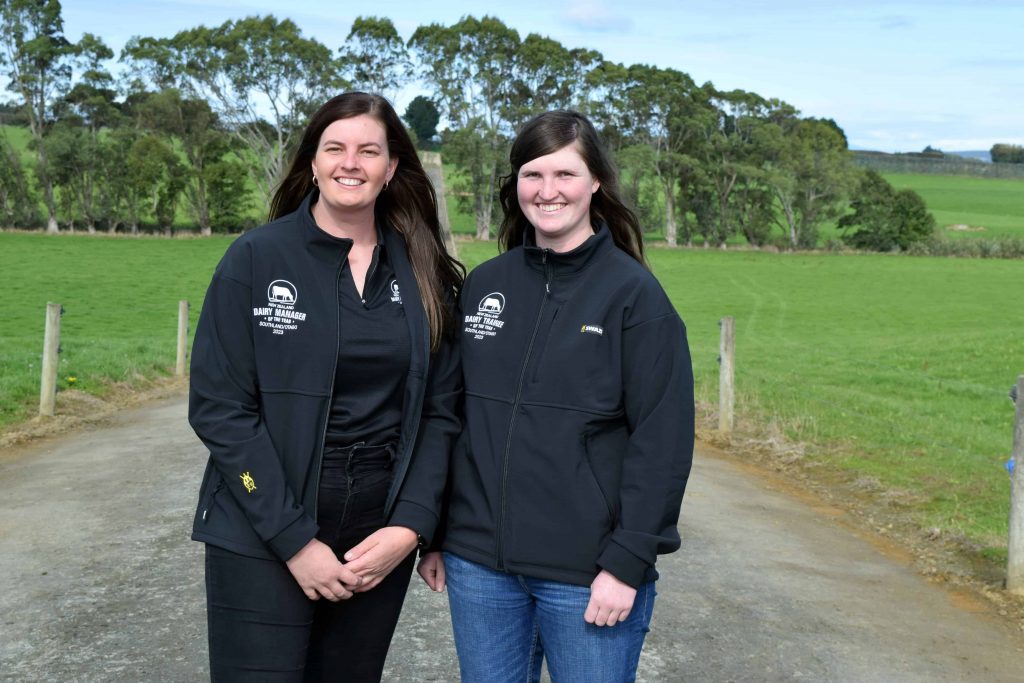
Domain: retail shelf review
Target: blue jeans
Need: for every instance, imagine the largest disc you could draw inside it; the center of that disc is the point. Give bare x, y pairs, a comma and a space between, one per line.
504, 624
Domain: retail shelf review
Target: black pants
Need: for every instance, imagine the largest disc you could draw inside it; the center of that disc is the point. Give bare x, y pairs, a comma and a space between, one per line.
262, 627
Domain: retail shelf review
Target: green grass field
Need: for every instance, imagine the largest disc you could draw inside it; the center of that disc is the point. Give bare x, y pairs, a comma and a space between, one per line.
995, 204
893, 368
120, 297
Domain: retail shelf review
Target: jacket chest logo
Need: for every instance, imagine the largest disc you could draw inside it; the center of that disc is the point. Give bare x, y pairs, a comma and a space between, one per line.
279, 315
486, 322
396, 296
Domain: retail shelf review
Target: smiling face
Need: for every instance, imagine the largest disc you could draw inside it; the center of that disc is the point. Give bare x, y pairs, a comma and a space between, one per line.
554, 194
352, 164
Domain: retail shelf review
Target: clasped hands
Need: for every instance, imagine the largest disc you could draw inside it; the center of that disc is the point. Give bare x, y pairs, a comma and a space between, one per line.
319, 573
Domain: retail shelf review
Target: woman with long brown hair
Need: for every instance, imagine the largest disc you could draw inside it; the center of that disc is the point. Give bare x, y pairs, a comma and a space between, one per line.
579, 420
324, 384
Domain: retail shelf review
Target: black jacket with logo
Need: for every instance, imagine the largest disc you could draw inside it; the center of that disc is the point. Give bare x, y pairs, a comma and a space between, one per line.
579, 416
262, 375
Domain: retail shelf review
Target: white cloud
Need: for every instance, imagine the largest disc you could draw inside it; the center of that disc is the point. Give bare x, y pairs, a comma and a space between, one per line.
595, 16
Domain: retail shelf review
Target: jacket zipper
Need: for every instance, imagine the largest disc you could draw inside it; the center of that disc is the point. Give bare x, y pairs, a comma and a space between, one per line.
330, 394
515, 409
366, 279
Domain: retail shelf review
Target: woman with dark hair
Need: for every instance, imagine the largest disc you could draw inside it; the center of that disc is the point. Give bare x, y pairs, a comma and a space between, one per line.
567, 478
324, 383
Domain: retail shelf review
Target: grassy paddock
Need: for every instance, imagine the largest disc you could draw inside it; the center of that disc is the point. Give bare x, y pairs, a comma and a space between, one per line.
120, 296
893, 368
995, 204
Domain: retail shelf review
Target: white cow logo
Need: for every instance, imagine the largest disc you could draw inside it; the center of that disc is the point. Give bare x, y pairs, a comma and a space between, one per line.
282, 292
493, 303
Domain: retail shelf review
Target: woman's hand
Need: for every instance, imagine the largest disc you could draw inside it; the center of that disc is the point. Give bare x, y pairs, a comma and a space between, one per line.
610, 600
379, 553
431, 568
319, 573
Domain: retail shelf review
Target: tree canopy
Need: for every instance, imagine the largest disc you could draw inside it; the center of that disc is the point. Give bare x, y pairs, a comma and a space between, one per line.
204, 122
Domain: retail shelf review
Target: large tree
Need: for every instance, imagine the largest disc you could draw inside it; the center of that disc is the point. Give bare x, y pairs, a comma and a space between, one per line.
884, 218
374, 57
728, 155
261, 75
422, 117
471, 66
548, 76
76, 141
197, 131
663, 112
36, 63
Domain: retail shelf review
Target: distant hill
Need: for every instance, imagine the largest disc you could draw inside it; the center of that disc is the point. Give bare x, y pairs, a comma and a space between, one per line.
936, 162
977, 154
983, 154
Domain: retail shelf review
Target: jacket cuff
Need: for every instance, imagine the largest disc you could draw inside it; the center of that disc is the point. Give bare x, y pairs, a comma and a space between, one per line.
622, 564
293, 537
415, 517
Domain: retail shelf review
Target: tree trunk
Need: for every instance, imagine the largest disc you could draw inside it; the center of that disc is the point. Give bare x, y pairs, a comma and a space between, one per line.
671, 234
485, 206
483, 219
51, 204
202, 206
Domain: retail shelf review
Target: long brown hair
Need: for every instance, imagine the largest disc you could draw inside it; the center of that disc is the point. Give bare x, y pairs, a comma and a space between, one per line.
547, 133
409, 203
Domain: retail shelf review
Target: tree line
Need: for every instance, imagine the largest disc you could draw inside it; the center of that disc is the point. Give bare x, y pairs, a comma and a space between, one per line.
205, 121
1007, 154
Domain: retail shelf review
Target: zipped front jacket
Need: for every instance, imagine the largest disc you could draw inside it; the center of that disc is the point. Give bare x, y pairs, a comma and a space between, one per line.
579, 416
262, 376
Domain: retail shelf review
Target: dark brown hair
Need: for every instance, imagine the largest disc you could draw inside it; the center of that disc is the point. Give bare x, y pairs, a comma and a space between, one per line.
409, 204
547, 133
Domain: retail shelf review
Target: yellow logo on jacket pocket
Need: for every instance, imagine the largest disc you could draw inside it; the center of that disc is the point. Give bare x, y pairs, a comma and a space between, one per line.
247, 481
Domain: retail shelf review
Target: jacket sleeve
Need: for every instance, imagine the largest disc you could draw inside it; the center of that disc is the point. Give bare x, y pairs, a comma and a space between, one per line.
420, 502
224, 411
658, 381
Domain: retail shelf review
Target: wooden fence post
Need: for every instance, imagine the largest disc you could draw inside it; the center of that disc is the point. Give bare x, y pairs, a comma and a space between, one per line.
179, 366
1015, 554
51, 360
727, 374
432, 165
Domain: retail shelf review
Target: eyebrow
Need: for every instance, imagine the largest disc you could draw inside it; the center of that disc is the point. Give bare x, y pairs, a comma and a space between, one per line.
361, 144
523, 169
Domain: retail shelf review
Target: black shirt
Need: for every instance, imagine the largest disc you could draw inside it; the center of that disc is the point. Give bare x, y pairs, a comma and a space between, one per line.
373, 356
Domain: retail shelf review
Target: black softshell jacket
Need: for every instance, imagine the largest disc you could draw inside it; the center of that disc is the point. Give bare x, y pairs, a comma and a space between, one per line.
579, 416
262, 375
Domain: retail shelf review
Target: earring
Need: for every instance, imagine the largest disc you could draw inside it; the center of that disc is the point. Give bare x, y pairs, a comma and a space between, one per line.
316, 182
385, 186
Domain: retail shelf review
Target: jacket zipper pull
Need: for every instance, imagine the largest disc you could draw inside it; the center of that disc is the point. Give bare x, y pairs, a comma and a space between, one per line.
547, 273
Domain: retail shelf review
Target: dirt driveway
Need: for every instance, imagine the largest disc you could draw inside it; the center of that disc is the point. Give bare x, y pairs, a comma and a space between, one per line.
99, 582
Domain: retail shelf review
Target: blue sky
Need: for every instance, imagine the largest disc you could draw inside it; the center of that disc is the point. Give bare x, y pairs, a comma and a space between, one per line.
895, 75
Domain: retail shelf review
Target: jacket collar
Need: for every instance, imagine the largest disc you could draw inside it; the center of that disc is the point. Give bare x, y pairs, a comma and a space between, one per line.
322, 243
567, 262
